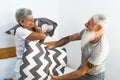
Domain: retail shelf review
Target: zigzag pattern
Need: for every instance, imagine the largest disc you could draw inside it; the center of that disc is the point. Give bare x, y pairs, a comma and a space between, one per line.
38, 63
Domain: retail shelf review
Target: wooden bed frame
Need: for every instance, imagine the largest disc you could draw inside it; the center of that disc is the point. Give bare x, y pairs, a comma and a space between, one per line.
11, 51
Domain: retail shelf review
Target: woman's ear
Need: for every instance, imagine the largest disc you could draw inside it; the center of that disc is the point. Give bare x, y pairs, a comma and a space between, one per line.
21, 22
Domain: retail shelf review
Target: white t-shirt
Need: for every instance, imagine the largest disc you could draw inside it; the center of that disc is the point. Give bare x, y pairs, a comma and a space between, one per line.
21, 34
95, 54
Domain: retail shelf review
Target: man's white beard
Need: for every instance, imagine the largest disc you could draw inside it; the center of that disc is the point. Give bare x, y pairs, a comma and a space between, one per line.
87, 37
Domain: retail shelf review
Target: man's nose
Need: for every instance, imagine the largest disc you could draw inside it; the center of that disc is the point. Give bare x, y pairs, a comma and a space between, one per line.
86, 25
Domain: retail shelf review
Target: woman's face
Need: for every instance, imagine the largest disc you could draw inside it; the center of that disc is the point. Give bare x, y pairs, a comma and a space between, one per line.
29, 23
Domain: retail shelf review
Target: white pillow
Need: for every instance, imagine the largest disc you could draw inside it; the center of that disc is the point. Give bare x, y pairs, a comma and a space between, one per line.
47, 25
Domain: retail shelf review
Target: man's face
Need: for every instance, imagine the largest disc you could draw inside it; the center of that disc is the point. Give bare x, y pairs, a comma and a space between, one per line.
89, 34
90, 25
29, 23
92, 31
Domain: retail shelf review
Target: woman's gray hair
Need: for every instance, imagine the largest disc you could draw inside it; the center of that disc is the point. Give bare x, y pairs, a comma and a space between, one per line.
100, 19
22, 14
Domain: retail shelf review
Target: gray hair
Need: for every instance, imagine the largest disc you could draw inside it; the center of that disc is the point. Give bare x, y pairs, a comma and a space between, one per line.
100, 19
22, 14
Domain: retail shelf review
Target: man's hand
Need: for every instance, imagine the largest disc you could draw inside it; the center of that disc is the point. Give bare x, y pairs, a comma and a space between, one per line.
53, 77
50, 47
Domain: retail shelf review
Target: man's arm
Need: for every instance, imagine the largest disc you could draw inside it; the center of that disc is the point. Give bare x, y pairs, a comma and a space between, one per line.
65, 40
85, 68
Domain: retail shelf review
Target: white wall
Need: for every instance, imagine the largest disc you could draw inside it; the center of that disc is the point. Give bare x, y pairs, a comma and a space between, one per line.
40, 8
73, 15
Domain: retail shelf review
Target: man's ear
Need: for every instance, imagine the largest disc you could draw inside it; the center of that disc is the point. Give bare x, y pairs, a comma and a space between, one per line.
99, 27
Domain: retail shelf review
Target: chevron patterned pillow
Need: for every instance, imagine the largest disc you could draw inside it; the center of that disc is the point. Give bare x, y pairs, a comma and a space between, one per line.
38, 63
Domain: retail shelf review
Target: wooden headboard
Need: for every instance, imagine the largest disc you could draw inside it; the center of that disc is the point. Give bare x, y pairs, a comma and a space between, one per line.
11, 51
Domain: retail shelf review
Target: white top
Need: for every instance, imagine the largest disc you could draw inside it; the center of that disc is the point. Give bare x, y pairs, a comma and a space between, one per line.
96, 54
21, 34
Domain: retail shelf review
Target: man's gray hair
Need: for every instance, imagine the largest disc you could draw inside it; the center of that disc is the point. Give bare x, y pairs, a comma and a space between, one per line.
100, 19
22, 14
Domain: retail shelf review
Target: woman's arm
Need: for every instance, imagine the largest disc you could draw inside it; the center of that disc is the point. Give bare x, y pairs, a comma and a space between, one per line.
38, 34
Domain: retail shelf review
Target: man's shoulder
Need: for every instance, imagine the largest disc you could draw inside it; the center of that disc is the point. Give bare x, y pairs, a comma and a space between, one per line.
81, 32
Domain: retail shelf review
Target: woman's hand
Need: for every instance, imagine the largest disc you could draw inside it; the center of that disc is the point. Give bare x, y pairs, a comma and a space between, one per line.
37, 29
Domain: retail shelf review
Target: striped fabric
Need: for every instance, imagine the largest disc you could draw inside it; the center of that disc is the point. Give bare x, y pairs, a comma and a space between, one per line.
38, 63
